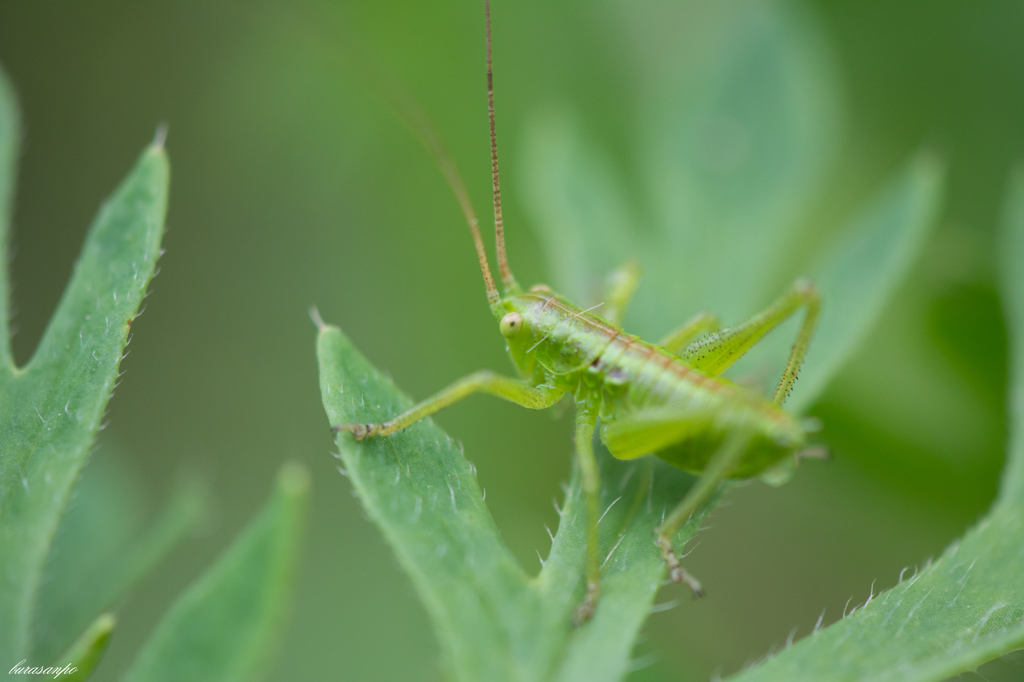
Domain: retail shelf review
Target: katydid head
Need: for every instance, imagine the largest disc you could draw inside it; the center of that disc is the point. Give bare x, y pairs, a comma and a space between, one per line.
542, 328
521, 320
538, 326
510, 316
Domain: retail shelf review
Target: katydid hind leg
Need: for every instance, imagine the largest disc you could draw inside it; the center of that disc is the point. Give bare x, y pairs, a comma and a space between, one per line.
483, 381
716, 352
722, 463
651, 429
800, 345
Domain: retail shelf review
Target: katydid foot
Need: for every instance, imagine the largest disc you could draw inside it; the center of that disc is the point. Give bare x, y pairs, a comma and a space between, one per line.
585, 611
359, 431
677, 573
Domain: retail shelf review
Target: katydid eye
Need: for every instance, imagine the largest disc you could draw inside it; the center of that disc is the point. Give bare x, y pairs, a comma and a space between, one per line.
511, 324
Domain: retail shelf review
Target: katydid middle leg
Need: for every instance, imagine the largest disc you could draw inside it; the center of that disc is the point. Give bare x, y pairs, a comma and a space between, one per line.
621, 285
721, 464
590, 476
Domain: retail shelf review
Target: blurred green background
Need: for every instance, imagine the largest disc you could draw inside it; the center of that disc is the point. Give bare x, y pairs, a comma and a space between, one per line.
293, 184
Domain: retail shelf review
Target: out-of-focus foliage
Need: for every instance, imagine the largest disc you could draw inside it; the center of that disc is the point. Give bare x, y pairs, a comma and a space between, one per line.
52, 407
100, 550
224, 627
64, 561
968, 607
741, 125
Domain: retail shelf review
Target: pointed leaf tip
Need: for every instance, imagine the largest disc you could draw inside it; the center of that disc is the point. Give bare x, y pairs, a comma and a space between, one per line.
160, 137
314, 314
293, 480
85, 654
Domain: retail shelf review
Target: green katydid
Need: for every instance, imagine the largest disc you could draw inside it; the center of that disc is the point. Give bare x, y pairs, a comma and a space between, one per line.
666, 398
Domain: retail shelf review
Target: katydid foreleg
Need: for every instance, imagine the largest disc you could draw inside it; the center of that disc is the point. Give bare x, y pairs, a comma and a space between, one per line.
483, 381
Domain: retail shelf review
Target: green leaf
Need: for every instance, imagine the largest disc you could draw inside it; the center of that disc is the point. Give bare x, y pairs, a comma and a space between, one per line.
722, 234
740, 112
964, 609
101, 549
757, 81
51, 410
494, 621
737, 147
223, 627
86, 652
744, 123
587, 224
636, 497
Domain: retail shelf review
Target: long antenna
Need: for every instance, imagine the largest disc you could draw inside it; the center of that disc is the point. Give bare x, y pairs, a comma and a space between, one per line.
451, 173
410, 112
386, 84
507, 278
382, 81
